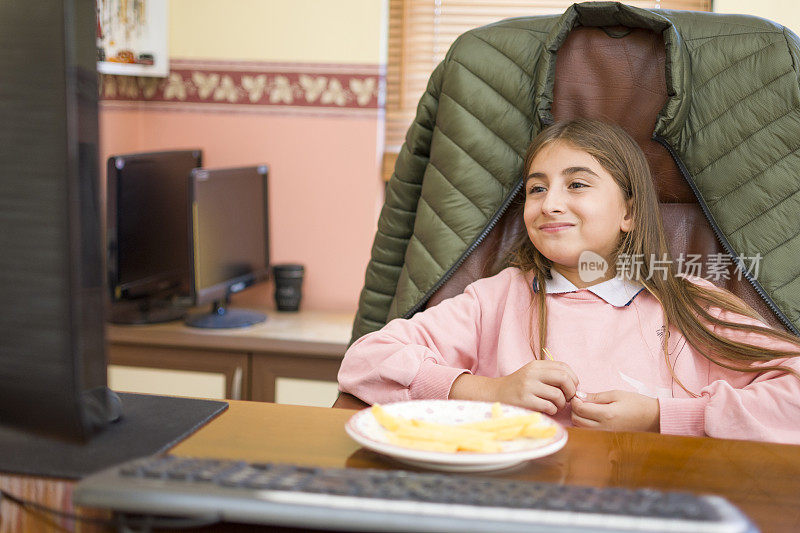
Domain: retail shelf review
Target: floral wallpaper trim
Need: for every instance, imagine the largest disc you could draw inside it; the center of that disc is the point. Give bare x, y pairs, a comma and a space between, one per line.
254, 84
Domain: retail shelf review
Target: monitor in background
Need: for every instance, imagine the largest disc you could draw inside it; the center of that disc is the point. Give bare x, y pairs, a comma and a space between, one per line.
52, 357
148, 245
230, 235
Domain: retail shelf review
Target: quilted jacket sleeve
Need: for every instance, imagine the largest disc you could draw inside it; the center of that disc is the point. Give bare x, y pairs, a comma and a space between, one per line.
396, 222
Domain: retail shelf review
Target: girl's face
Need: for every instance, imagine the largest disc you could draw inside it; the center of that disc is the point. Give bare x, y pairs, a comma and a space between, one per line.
572, 204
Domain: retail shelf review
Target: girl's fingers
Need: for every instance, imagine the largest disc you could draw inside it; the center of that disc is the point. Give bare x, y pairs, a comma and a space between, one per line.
601, 397
552, 394
587, 410
562, 380
566, 369
541, 405
582, 422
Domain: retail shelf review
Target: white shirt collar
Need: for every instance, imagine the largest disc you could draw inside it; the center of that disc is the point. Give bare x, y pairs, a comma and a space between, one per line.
616, 291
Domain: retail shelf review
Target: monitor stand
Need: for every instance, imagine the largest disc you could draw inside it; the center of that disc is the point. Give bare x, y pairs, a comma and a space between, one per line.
222, 316
145, 312
102, 406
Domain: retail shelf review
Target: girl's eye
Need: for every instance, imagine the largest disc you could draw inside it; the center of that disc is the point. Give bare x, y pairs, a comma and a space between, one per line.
534, 189
578, 184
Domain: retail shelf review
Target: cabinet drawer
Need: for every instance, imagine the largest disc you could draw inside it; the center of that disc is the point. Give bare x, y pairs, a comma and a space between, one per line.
232, 365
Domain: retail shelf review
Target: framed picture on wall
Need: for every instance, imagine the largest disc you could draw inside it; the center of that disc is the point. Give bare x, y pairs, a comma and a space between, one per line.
132, 37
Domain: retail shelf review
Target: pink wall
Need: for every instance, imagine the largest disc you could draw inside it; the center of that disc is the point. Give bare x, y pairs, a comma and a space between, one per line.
325, 190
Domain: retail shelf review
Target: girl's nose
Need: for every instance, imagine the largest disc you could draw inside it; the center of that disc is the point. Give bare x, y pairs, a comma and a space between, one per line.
553, 201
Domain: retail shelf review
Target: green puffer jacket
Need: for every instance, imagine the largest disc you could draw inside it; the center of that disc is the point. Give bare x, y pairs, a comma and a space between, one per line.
732, 121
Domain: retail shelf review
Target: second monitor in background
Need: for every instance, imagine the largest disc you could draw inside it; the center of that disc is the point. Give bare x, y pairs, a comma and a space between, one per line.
230, 241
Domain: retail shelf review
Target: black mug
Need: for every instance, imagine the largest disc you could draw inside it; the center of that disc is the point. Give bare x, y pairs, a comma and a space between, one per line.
288, 281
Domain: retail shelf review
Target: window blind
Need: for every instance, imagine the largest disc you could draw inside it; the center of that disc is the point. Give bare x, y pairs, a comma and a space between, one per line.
421, 31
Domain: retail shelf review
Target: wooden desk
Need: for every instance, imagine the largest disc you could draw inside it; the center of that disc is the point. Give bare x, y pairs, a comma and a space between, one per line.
306, 344
762, 479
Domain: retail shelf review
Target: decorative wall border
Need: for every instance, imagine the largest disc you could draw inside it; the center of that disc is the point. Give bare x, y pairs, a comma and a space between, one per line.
244, 86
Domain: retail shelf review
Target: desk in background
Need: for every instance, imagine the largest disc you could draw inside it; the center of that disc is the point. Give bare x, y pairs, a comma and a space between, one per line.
302, 345
761, 479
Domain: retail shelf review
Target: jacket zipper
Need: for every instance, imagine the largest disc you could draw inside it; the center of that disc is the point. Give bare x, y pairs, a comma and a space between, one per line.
489, 227
721, 238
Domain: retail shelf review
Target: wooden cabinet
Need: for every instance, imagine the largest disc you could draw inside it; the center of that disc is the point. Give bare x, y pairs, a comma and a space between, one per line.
235, 366
267, 368
307, 345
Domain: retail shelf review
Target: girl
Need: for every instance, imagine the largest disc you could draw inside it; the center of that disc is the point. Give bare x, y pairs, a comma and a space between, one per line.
634, 348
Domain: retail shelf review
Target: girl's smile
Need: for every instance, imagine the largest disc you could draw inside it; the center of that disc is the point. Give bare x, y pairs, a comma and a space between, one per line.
573, 204
555, 227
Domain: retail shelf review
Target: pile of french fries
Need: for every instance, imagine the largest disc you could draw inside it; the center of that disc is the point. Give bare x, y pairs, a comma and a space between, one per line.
481, 437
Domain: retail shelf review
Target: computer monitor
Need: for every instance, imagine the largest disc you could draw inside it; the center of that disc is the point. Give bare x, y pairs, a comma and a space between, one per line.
148, 247
230, 236
52, 357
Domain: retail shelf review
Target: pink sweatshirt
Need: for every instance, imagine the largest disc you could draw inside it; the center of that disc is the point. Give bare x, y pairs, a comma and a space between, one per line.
486, 331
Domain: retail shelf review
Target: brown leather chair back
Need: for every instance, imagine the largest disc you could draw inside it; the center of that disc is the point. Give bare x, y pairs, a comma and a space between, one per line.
617, 75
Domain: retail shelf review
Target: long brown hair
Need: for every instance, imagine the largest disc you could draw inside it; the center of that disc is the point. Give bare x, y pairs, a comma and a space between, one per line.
684, 303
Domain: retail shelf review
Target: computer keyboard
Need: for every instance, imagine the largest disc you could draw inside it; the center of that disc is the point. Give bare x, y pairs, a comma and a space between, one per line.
391, 500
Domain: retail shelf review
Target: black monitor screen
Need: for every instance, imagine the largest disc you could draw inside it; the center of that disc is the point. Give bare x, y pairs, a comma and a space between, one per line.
149, 222
52, 357
230, 230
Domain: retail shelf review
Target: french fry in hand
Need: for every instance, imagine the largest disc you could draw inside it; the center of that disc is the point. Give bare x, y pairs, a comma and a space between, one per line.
481, 437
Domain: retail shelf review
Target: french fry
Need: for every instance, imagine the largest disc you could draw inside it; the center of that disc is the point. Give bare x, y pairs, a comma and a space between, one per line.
497, 410
509, 433
537, 431
428, 445
430, 425
482, 446
385, 419
453, 434
496, 424
436, 441
465, 439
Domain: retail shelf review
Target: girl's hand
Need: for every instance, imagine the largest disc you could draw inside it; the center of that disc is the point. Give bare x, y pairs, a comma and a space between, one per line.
544, 386
616, 410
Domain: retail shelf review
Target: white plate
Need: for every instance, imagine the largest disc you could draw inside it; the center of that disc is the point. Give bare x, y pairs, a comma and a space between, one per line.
365, 429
